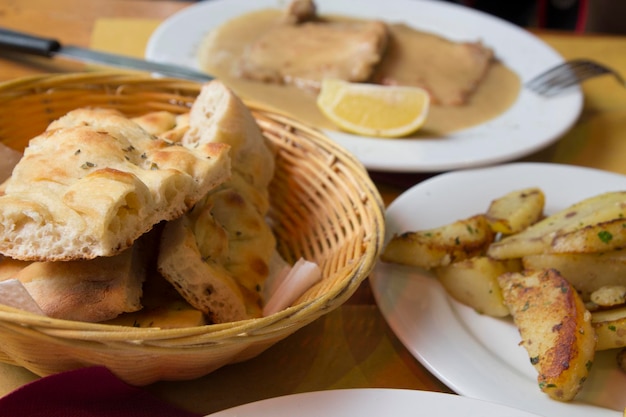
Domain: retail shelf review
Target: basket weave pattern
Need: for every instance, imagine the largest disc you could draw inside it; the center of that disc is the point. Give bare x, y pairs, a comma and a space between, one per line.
324, 208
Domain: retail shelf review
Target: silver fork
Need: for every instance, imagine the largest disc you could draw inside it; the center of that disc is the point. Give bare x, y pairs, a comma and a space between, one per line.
568, 74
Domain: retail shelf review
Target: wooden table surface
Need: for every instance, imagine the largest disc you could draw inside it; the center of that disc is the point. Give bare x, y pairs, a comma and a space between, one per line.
351, 347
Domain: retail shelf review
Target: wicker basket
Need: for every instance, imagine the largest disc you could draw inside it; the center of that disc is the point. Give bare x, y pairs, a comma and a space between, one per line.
324, 208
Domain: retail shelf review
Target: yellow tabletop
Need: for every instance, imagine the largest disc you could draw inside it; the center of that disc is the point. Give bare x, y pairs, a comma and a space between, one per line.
351, 347
598, 139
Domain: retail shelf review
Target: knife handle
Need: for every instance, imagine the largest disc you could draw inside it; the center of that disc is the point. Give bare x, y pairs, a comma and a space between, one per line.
22, 42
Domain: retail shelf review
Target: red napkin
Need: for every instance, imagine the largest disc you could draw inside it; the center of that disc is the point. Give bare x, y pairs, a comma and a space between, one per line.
86, 392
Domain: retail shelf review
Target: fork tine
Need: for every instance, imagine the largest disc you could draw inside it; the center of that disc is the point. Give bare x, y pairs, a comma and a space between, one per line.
544, 77
551, 90
568, 74
568, 68
586, 69
554, 80
566, 77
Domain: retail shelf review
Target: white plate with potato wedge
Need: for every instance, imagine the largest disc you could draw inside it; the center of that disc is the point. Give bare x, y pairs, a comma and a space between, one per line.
526, 124
479, 355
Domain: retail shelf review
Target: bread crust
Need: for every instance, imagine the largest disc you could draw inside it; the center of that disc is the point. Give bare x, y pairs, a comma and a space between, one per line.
95, 181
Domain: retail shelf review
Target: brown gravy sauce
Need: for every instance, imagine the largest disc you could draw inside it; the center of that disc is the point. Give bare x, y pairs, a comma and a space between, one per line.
222, 48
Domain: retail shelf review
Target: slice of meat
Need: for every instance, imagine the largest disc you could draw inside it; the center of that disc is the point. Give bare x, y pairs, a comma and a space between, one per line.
303, 54
450, 71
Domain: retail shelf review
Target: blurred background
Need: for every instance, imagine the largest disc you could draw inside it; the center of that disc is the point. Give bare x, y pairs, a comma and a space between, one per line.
601, 16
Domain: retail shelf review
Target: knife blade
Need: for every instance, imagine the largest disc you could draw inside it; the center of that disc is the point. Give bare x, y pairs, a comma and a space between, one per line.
47, 47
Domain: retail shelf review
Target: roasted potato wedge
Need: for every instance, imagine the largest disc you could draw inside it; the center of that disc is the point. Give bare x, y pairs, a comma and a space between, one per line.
587, 272
555, 328
516, 211
598, 237
610, 327
474, 282
592, 225
440, 246
609, 296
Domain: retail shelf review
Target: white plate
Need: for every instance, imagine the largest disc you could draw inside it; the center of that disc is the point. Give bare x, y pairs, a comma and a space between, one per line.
476, 355
371, 403
531, 124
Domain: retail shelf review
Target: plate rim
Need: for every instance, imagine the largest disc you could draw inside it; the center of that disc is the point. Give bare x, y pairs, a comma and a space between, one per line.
444, 402
425, 154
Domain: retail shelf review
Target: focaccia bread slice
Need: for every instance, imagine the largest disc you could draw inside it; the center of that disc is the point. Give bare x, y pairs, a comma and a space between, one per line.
218, 254
251, 241
219, 116
164, 124
84, 290
95, 181
203, 283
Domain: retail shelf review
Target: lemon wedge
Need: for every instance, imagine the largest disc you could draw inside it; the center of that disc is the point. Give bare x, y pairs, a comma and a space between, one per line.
373, 110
